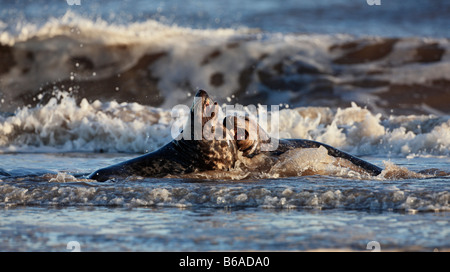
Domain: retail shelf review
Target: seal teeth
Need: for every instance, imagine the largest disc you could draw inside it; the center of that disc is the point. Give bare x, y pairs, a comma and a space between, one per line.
210, 108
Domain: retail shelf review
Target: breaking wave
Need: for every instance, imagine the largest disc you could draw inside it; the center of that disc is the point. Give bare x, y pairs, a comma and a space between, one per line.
163, 65
64, 125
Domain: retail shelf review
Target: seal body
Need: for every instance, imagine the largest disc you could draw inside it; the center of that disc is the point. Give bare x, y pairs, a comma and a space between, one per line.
250, 138
199, 152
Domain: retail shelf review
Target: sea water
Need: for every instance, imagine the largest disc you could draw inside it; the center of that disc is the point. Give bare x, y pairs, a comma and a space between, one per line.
84, 87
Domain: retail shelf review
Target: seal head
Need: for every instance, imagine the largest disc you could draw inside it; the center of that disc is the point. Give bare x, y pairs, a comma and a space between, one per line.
248, 134
206, 138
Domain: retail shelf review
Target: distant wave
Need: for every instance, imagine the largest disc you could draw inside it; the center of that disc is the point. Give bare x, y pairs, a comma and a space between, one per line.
160, 65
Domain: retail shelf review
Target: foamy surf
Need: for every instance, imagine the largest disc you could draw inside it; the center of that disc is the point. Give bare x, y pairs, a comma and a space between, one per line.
63, 125
301, 193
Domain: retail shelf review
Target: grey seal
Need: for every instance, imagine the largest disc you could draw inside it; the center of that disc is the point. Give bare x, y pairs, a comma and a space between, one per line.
199, 152
242, 127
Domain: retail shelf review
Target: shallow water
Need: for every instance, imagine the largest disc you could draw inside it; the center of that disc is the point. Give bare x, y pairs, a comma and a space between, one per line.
213, 229
45, 211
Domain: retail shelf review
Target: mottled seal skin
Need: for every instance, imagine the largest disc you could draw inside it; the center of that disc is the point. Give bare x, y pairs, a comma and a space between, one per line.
180, 156
242, 127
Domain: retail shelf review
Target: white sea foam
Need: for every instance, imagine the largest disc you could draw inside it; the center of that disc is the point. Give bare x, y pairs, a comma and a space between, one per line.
67, 126
63, 125
363, 196
89, 29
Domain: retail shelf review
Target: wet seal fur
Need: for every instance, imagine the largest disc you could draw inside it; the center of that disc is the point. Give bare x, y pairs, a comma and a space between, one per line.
200, 152
203, 152
243, 127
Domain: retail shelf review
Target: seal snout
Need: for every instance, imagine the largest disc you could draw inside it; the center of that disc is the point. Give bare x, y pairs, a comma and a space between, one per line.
205, 104
201, 93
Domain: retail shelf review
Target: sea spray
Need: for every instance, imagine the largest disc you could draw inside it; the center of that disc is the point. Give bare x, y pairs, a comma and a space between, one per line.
62, 124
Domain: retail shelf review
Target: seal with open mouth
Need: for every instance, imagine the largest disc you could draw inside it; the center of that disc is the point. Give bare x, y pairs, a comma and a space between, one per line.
199, 151
250, 138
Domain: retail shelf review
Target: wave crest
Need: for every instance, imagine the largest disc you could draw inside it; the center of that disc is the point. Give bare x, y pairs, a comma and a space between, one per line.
62, 124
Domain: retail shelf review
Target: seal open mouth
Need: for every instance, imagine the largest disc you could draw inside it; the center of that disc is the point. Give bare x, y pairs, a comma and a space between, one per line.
247, 134
203, 110
212, 141
204, 104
